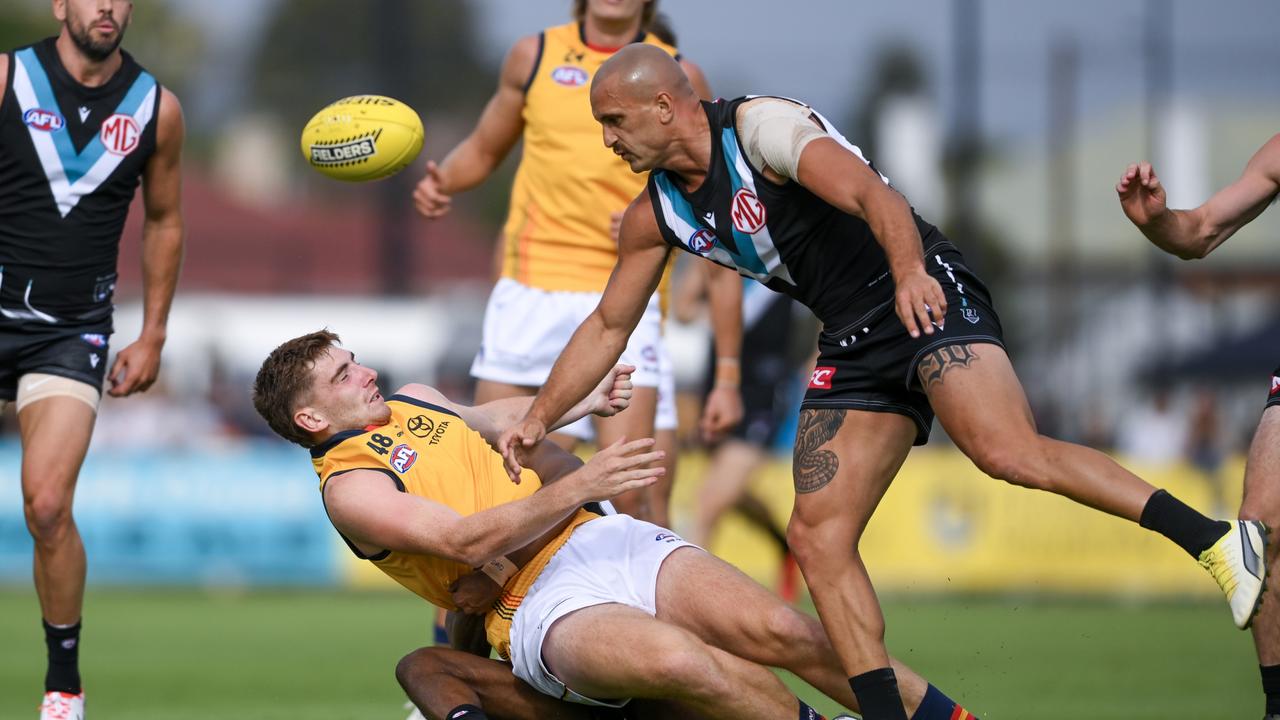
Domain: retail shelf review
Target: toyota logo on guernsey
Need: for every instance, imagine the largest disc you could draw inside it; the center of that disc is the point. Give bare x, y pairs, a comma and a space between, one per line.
46, 120
748, 212
569, 76
821, 378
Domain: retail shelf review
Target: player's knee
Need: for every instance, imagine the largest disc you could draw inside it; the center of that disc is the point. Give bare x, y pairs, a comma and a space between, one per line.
1251, 509
814, 543
1015, 464
686, 668
787, 631
48, 517
414, 665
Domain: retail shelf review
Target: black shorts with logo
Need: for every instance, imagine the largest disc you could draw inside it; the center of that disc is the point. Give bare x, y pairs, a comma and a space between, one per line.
871, 364
78, 352
1273, 400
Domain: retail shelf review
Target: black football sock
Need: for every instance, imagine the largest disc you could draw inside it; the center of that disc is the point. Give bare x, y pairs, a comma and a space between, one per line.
63, 674
878, 696
1271, 686
1173, 519
466, 712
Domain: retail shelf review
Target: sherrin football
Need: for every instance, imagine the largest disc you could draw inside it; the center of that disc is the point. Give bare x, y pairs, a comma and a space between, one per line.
362, 137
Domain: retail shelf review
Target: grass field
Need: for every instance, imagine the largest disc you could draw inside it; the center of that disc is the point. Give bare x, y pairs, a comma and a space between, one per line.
329, 655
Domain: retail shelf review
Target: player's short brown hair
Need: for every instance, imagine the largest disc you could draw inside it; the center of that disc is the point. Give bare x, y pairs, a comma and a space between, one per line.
284, 380
646, 15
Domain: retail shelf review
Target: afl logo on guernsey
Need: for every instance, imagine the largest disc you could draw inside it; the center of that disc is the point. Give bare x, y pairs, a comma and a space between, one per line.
403, 457
120, 134
569, 76
702, 241
46, 120
748, 212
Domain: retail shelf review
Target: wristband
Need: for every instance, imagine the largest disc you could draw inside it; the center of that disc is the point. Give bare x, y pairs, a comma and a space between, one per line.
500, 570
728, 373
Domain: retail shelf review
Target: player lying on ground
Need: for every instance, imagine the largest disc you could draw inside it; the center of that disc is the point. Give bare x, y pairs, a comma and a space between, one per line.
767, 186
594, 609
1193, 234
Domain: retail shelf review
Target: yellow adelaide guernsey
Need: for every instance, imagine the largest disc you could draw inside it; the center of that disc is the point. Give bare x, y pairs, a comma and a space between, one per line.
568, 186
428, 451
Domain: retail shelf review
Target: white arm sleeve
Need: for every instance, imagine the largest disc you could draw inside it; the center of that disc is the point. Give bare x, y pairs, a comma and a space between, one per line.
775, 132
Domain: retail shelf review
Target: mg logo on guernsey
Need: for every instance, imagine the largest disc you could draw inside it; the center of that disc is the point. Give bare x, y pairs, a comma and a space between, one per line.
821, 378
403, 457
748, 212
120, 134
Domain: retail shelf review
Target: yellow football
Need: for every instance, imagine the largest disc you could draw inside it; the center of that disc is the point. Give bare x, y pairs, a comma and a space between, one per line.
362, 137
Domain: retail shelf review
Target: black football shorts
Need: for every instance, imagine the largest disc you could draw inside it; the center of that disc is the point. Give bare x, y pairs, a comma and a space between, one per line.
77, 352
871, 364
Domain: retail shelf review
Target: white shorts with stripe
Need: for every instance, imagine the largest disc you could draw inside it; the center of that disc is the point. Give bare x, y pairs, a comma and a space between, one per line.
614, 559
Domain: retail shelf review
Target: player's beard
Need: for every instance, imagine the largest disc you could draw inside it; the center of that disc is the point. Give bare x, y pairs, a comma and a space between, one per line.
95, 50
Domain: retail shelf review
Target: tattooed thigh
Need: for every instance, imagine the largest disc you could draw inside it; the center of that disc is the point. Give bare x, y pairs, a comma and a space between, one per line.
935, 365
813, 467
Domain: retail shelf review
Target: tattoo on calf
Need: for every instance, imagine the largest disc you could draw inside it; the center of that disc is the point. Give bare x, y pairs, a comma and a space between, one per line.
936, 364
814, 467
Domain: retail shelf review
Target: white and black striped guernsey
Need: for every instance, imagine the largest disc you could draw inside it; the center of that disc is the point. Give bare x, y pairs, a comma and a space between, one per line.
782, 235
70, 161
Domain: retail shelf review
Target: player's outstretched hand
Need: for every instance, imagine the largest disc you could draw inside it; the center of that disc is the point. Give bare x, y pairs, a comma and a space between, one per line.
474, 593
613, 394
619, 468
1141, 195
428, 197
135, 367
920, 302
516, 441
722, 411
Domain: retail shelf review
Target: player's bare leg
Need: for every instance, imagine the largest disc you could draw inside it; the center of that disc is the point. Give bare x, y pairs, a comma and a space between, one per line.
647, 658
844, 462
658, 495
978, 399
980, 403
728, 474
439, 680
1262, 502
55, 435
758, 626
633, 423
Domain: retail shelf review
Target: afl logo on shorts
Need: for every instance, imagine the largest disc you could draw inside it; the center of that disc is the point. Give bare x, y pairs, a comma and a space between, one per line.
46, 120
821, 378
1275, 384
120, 134
403, 457
420, 426
569, 76
748, 212
702, 241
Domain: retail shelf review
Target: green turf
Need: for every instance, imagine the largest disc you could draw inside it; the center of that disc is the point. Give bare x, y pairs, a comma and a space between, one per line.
167, 654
